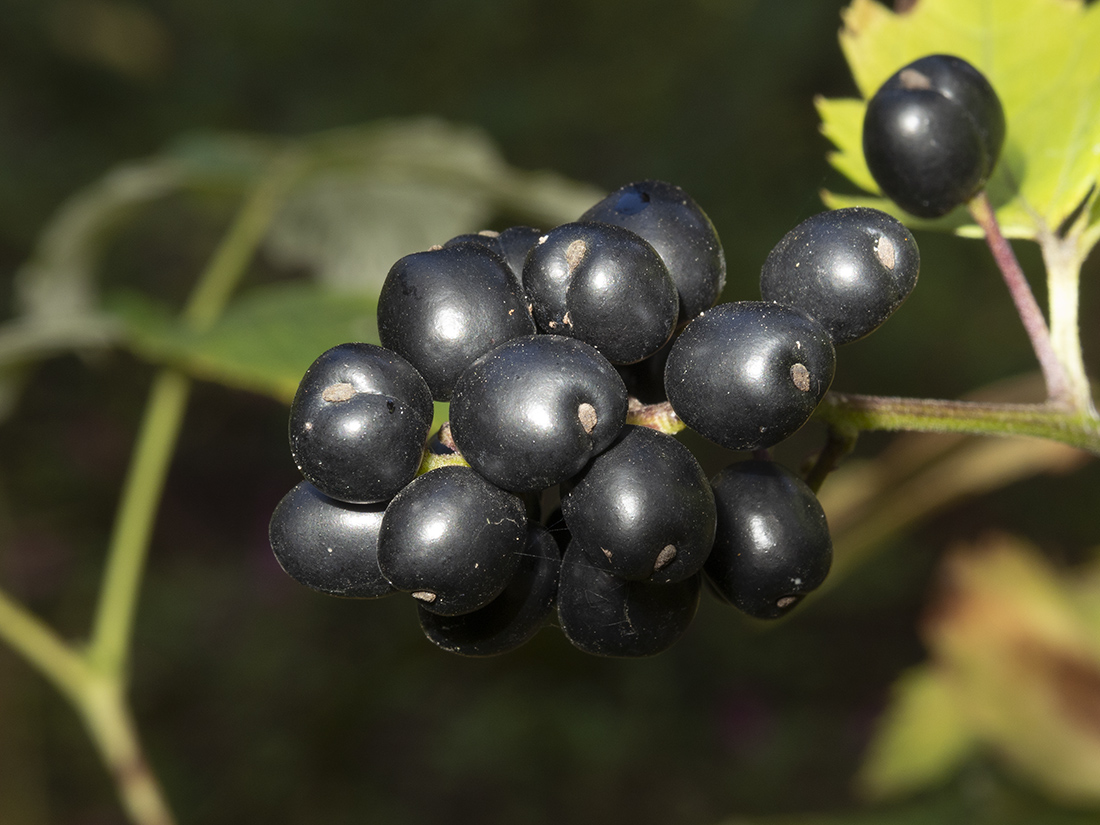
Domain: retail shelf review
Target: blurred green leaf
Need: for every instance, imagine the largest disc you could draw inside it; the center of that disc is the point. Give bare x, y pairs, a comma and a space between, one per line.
922, 738
264, 342
1043, 58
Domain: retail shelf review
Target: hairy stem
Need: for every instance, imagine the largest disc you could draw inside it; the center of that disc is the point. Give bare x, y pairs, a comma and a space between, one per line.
867, 412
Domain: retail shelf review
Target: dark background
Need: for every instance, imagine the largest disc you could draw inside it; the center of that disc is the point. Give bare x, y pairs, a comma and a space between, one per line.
262, 701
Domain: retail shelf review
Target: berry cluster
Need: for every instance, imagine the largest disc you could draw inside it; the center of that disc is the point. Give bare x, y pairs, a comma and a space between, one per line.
534, 338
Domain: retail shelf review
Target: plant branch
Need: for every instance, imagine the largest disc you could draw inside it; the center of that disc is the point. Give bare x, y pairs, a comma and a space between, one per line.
867, 412
1054, 373
36, 642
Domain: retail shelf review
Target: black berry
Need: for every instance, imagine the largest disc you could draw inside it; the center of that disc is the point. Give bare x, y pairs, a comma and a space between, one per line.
358, 423
848, 269
513, 617
328, 545
532, 412
451, 539
603, 614
603, 285
643, 508
932, 134
772, 545
748, 374
667, 217
444, 308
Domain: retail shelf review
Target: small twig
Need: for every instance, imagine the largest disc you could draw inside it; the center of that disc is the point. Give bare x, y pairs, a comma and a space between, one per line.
839, 442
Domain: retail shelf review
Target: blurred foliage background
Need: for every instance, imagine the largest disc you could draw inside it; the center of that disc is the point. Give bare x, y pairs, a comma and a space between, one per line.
260, 700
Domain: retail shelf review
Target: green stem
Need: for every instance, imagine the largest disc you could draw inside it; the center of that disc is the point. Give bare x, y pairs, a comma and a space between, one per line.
865, 412
36, 642
133, 528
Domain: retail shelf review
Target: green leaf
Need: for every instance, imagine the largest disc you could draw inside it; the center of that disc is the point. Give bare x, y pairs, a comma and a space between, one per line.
921, 740
1042, 56
264, 342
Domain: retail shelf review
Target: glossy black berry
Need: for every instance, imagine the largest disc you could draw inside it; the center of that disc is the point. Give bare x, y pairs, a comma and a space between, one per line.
532, 412
451, 539
603, 285
513, 617
358, 423
328, 545
643, 508
848, 269
772, 546
444, 308
932, 134
667, 217
748, 374
603, 614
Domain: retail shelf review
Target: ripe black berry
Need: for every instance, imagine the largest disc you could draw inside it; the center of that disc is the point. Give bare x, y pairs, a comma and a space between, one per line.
328, 545
451, 539
444, 308
532, 412
643, 508
603, 285
513, 617
358, 423
932, 134
603, 614
667, 217
748, 374
848, 269
772, 545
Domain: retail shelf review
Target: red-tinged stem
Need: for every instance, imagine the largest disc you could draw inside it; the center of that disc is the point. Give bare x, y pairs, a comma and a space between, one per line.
1059, 392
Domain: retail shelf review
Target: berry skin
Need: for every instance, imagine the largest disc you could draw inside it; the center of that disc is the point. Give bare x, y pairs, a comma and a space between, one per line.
328, 545
643, 509
748, 374
513, 617
444, 308
848, 269
932, 134
451, 539
603, 285
602, 614
358, 423
772, 545
532, 412
667, 217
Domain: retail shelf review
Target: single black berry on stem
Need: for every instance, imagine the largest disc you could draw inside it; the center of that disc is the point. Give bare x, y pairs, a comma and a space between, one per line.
328, 545
603, 614
513, 617
748, 374
603, 285
444, 308
675, 225
532, 412
451, 539
358, 423
932, 134
848, 269
643, 509
772, 546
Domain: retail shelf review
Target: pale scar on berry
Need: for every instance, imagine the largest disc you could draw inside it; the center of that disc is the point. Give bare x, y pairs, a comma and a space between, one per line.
667, 554
424, 595
574, 254
338, 392
801, 377
587, 415
886, 252
787, 601
912, 79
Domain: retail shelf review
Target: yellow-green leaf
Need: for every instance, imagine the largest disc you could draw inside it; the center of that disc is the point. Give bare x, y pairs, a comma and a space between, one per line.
1043, 58
921, 740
